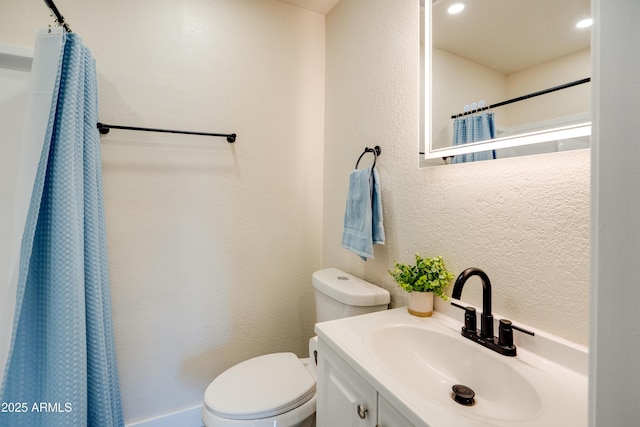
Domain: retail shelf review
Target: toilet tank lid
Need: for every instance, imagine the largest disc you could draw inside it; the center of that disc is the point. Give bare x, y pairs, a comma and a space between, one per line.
349, 289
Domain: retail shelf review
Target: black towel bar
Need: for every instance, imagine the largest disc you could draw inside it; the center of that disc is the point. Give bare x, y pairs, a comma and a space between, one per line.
104, 129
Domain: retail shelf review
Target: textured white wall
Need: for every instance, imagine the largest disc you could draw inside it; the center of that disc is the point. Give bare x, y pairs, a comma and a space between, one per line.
211, 246
525, 221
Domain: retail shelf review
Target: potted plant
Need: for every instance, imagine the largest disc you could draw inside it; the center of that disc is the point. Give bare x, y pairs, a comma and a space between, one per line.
428, 276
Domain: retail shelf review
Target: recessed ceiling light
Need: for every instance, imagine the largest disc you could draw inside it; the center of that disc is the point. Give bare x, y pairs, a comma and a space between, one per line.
455, 8
585, 23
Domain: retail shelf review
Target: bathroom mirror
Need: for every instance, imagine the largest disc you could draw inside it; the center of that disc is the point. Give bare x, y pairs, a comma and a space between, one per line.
504, 78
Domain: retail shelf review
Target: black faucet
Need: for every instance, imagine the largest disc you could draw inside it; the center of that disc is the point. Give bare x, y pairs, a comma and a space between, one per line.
486, 318
504, 344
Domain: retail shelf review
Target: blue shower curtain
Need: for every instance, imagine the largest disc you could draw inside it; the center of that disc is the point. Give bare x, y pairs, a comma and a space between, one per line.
61, 369
473, 128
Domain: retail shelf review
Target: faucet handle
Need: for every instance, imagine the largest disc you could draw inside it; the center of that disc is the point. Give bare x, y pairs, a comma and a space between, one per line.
470, 318
455, 304
523, 330
505, 333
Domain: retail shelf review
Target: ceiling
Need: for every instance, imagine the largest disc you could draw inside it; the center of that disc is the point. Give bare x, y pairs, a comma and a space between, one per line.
511, 35
320, 6
504, 35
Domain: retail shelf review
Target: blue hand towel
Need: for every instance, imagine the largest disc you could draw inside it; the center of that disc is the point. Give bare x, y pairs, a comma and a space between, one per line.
363, 215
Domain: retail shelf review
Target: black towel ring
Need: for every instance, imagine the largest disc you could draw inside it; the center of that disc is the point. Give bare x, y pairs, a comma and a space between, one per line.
376, 152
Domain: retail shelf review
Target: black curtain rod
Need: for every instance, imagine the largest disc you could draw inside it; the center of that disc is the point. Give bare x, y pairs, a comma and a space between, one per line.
104, 129
59, 18
523, 97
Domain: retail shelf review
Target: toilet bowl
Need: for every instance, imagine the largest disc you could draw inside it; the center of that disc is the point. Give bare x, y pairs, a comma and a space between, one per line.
279, 389
272, 390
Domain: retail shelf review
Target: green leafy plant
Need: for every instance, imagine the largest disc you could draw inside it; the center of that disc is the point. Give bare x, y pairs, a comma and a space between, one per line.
427, 275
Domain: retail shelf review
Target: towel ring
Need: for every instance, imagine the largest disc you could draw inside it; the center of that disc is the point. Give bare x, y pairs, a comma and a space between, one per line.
376, 152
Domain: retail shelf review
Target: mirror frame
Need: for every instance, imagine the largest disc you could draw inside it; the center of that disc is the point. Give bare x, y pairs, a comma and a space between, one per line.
551, 134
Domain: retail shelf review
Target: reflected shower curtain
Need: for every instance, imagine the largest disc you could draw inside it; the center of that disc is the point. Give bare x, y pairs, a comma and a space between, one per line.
474, 128
61, 369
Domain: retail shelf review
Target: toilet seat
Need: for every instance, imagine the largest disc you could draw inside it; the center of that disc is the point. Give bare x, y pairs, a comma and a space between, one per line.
262, 387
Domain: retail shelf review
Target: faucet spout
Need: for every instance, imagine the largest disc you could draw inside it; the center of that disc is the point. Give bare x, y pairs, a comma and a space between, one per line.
486, 319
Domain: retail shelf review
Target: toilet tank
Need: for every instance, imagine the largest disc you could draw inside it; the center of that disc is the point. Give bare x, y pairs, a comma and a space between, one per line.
339, 294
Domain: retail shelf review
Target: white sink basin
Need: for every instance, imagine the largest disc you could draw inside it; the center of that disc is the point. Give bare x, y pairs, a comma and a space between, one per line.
414, 362
431, 362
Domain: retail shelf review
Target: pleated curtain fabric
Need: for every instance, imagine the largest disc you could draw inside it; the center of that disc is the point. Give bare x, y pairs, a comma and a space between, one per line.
474, 128
61, 370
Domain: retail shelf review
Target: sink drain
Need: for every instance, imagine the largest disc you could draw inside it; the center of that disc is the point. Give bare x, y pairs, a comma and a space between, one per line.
463, 395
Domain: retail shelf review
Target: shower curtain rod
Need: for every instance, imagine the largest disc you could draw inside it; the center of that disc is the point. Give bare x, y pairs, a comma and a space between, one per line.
104, 129
59, 18
523, 97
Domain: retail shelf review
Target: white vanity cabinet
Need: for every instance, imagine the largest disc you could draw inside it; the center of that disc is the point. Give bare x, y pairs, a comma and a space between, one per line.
389, 416
346, 399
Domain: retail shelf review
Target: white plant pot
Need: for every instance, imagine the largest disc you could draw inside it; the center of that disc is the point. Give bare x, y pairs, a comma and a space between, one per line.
420, 304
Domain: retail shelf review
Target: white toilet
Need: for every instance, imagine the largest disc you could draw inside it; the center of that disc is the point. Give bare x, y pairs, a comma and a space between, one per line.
280, 389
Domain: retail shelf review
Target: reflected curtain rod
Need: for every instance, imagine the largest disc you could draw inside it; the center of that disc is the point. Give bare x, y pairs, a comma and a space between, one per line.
104, 129
523, 97
59, 18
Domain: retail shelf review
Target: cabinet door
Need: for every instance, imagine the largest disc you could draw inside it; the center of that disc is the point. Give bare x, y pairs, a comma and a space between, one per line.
389, 416
344, 398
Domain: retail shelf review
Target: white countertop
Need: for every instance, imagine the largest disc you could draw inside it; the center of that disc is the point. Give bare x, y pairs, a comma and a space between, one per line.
554, 368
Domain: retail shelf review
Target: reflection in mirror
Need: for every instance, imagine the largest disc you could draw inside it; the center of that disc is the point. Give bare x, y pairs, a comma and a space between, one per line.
504, 69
